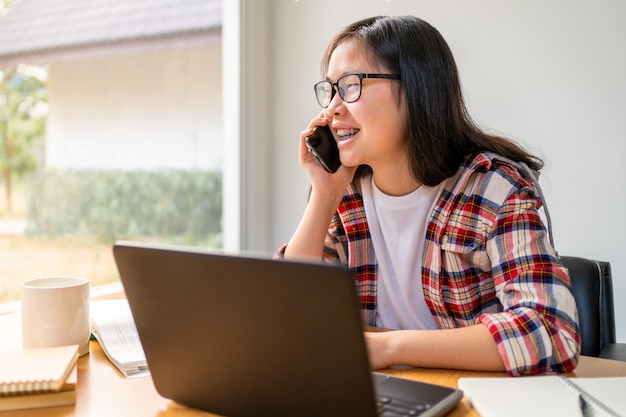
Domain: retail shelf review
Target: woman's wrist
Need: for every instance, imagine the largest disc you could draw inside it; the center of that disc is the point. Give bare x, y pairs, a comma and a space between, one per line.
325, 201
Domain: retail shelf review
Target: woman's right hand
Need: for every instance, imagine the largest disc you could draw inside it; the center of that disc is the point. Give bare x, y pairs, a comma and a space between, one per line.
321, 180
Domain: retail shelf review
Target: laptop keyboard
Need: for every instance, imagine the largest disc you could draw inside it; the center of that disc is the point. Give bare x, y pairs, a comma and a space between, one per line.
395, 407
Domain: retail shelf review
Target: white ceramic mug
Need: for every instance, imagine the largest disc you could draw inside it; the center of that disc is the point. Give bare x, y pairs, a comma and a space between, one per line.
55, 312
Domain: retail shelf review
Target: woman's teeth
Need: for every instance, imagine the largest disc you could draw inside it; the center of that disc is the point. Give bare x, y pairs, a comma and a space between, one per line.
346, 134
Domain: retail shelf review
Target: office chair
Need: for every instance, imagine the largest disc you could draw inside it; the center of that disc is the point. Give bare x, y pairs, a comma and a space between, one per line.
593, 291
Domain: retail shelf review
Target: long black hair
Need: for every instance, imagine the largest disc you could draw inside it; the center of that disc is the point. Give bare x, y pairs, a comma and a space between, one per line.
441, 132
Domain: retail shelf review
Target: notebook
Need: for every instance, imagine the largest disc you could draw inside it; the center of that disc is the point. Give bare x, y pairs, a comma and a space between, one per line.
251, 336
29, 371
65, 395
550, 395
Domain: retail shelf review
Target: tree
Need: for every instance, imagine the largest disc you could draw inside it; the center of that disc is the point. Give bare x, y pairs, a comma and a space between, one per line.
22, 118
5, 5
22, 122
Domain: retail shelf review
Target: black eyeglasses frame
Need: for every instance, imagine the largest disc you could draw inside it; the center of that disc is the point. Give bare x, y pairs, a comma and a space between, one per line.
335, 86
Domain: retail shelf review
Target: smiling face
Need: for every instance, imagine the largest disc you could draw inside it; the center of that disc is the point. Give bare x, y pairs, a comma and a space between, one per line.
372, 130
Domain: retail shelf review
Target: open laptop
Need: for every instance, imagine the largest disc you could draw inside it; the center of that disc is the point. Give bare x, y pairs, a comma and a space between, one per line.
251, 336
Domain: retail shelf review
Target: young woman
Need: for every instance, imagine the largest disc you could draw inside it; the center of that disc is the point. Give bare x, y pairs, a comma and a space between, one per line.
437, 219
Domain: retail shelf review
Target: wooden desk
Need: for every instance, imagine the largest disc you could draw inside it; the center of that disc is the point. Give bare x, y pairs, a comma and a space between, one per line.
103, 391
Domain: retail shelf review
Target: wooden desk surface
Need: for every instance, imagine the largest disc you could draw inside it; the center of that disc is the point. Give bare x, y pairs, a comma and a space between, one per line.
104, 391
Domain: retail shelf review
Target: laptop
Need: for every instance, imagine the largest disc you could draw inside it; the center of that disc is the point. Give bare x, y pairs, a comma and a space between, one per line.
243, 335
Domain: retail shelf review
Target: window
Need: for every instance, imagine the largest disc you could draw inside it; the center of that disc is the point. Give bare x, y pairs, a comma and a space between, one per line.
132, 145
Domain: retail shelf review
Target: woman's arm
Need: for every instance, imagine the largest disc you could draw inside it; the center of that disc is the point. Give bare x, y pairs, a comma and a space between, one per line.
469, 348
327, 190
307, 241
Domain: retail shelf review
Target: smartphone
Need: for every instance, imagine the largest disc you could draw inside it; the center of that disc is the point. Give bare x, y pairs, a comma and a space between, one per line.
322, 144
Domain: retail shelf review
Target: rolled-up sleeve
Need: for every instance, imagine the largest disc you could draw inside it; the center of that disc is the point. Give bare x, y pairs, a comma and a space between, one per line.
537, 329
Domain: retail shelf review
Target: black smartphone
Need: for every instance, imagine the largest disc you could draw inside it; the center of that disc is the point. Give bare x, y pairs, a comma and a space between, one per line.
322, 144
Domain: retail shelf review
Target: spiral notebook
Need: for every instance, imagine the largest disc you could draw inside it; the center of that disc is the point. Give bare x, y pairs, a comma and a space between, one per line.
66, 395
29, 371
553, 395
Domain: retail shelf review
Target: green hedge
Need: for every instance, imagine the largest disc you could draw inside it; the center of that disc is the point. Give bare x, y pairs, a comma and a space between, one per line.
173, 205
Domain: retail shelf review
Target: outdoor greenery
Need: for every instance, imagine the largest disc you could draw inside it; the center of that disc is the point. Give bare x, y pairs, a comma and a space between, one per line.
22, 123
22, 118
179, 206
5, 5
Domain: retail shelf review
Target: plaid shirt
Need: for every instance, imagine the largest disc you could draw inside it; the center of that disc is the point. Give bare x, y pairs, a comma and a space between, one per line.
487, 259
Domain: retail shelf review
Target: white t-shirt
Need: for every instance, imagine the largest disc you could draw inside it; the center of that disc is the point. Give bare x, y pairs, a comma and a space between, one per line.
398, 230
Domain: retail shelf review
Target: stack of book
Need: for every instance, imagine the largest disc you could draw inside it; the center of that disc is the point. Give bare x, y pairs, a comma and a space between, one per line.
34, 378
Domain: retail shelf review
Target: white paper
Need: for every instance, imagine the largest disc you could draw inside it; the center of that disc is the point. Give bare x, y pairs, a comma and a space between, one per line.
114, 328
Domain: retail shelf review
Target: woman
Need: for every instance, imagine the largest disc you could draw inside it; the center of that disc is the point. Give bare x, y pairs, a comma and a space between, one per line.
438, 220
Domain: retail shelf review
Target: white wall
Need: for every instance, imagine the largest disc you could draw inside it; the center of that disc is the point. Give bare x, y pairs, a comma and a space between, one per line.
550, 74
156, 109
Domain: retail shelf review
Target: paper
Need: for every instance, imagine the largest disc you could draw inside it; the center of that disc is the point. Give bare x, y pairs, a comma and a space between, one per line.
114, 328
548, 396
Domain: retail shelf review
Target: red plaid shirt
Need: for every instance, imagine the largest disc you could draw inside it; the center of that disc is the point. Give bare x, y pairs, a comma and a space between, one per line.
487, 259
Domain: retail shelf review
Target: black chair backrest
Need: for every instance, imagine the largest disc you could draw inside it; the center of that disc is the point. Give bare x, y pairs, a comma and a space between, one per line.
593, 292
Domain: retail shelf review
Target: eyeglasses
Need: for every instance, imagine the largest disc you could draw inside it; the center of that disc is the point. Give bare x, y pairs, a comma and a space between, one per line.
348, 86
